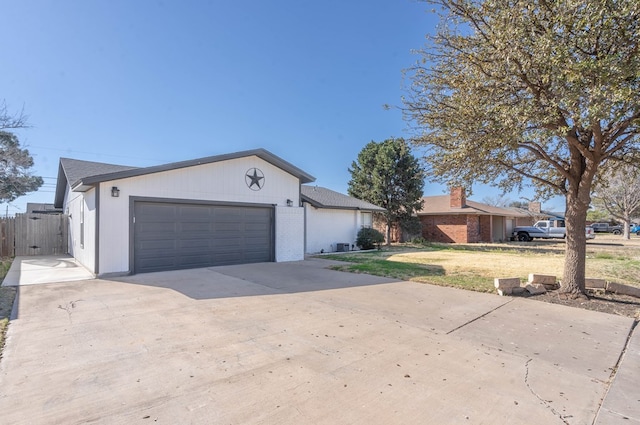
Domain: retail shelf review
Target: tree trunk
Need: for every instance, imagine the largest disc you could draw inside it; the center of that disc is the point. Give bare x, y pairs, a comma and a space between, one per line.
577, 204
388, 233
626, 224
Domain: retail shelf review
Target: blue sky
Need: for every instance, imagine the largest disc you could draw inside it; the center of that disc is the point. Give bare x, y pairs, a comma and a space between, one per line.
146, 82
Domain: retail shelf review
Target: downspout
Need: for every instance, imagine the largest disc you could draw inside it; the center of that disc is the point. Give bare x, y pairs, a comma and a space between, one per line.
304, 230
97, 232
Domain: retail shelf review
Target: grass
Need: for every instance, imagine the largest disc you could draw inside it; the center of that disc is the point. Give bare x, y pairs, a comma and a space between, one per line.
475, 266
7, 295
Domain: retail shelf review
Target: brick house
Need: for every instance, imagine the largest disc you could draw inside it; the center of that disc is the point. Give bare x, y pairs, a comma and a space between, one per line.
454, 219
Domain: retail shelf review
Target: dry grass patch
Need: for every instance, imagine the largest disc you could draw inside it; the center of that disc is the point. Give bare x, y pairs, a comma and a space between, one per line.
489, 264
474, 266
7, 296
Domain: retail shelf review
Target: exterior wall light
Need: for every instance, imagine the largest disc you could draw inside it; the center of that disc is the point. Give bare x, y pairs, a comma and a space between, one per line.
115, 192
289, 203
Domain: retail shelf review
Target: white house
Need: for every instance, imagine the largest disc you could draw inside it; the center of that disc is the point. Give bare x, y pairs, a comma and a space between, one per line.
228, 209
332, 220
236, 208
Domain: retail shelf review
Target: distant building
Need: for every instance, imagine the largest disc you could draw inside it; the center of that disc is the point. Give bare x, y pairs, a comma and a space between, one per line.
37, 208
454, 218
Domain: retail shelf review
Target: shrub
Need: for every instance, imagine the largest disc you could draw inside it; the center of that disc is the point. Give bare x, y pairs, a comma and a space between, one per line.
369, 238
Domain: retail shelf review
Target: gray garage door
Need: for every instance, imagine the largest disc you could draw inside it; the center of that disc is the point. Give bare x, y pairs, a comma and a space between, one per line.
170, 236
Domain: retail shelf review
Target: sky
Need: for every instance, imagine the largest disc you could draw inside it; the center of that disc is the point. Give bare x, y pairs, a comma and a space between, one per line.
143, 82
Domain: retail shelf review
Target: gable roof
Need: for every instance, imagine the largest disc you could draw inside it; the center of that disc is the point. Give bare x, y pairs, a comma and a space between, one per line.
71, 171
83, 175
441, 205
321, 197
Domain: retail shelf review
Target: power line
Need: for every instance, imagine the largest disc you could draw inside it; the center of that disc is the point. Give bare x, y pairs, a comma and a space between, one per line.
159, 161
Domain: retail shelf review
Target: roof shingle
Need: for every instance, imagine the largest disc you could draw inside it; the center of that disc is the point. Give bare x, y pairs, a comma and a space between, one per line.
321, 197
439, 205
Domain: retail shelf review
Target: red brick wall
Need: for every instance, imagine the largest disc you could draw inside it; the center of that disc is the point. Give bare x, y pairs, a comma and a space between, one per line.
456, 228
457, 197
445, 228
485, 229
473, 228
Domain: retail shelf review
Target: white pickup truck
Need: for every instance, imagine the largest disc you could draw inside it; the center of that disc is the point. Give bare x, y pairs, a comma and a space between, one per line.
545, 229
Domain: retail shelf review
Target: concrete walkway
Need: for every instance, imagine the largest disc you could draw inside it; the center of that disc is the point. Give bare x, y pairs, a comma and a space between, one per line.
44, 269
295, 343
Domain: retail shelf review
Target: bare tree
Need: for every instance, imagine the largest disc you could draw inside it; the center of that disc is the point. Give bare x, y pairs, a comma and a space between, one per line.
15, 162
497, 201
619, 194
10, 121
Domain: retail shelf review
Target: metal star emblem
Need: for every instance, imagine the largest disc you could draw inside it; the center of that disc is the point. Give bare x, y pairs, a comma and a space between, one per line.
254, 179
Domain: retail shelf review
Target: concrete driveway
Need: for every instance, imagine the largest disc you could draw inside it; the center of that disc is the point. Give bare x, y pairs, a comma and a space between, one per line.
295, 343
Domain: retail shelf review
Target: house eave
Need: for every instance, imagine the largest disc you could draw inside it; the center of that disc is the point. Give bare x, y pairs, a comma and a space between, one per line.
471, 212
260, 153
80, 187
317, 204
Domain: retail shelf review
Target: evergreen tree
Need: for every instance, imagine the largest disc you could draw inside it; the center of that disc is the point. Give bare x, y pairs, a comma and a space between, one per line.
388, 175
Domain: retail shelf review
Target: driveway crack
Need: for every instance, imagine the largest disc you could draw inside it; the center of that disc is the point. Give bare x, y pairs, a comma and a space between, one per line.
615, 369
545, 402
478, 318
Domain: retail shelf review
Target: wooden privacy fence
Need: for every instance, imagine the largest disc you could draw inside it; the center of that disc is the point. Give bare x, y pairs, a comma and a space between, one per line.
7, 237
34, 234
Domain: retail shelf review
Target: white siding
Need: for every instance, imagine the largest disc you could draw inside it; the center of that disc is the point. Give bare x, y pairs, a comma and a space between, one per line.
289, 234
327, 227
76, 203
220, 181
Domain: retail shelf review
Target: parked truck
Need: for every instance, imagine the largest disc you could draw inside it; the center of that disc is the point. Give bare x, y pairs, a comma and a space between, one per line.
545, 229
606, 228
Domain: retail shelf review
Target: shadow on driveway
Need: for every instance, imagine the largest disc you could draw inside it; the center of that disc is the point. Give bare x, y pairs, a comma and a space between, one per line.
255, 279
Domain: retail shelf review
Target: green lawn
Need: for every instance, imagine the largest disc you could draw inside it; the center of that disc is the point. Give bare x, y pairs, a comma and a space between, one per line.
475, 266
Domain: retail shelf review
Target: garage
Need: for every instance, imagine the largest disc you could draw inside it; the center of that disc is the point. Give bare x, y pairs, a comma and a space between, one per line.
227, 209
181, 235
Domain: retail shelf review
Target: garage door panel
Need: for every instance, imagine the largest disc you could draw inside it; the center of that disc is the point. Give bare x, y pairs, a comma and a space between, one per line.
196, 226
222, 228
158, 245
156, 227
174, 236
196, 260
228, 215
195, 212
259, 229
157, 211
194, 243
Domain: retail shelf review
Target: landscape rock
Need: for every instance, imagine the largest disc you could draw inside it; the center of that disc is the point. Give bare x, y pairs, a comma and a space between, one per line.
535, 288
505, 291
542, 278
623, 289
510, 282
595, 283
